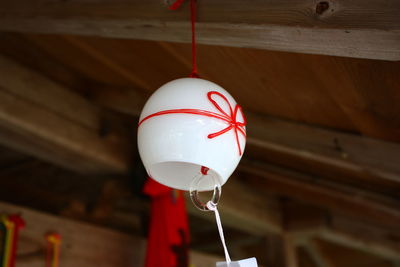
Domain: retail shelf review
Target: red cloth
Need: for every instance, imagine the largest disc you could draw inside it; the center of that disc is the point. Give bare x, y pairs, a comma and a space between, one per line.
168, 241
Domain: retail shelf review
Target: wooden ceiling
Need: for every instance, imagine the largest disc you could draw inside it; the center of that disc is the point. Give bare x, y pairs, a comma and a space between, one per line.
355, 95
322, 165
336, 94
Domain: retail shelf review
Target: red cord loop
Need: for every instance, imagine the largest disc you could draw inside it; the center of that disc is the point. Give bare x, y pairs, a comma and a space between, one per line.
175, 6
229, 117
204, 170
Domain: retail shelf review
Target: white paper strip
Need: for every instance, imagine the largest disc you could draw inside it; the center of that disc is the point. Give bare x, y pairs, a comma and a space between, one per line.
251, 262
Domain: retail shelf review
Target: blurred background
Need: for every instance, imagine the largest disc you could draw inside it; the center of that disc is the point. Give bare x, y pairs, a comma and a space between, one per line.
319, 183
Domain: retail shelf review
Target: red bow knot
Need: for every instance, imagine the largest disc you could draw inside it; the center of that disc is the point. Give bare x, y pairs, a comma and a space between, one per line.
231, 118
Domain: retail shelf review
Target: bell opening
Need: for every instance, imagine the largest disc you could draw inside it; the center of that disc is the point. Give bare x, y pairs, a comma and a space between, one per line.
179, 175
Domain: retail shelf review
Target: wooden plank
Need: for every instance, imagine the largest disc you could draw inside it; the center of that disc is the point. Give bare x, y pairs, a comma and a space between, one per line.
102, 59
304, 258
18, 48
107, 61
346, 157
313, 190
275, 251
345, 256
348, 240
345, 231
82, 244
317, 255
298, 87
366, 29
72, 106
46, 120
291, 257
242, 208
380, 241
305, 87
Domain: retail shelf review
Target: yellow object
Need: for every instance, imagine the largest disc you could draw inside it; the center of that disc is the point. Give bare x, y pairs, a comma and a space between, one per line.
54, 241
10, 227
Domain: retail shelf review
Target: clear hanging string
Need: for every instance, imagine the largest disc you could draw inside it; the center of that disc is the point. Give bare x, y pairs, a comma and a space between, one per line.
210, 205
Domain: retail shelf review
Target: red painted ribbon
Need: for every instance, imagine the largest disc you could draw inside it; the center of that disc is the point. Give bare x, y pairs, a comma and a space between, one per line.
175, 6
230, 118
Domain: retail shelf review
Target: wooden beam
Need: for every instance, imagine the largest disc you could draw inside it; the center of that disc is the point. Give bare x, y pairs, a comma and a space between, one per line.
348, 158
350, 233
299, 216
363, 29
291, 257
44, 119
242, 208
317, 255
103, 59
82, 244
276, 251
349, 240
351, 201
380, 241
308, 222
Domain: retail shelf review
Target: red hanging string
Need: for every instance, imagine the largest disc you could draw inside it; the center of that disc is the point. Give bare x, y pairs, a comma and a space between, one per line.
175, 6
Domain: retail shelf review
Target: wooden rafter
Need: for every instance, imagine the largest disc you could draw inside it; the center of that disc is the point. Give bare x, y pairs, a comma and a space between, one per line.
365, 29
306, 223
338, 155
317, 255
42, 118
291, 256
373, 207
349, 240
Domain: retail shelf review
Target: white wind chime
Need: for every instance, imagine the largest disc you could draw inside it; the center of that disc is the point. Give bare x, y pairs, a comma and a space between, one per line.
191, 136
